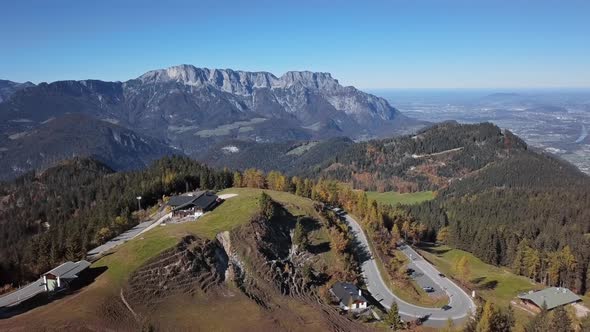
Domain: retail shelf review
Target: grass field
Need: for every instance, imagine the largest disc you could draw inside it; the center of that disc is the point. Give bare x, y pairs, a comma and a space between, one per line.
492, 283
394, 198
232, 213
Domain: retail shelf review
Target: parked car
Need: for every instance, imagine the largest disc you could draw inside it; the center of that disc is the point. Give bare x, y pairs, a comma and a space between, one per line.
428, 289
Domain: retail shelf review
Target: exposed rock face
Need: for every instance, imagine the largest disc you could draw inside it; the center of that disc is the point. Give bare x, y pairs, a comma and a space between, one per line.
8, 88
344, 99
194, 265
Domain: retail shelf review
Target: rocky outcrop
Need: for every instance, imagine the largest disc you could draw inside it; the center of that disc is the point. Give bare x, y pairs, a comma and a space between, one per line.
8, 88
194, 265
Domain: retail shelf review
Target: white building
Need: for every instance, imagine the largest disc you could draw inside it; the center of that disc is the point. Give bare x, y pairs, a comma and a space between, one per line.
350, 296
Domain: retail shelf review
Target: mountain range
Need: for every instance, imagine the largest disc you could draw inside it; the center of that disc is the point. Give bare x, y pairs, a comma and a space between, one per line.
182, 109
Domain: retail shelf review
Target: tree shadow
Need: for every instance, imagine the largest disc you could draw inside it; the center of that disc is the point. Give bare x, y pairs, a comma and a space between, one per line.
361, 252
481, 285
319, 248
87, 277
310, 224
432, 248
374, 301
477, 280
492, 284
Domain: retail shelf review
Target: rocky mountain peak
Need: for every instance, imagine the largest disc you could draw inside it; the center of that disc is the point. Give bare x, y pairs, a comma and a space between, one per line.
309, 79
239, 82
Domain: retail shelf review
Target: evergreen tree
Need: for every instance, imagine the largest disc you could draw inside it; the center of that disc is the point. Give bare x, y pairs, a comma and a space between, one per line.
494, 319
560, 321
540, 322
300, 235
393, 319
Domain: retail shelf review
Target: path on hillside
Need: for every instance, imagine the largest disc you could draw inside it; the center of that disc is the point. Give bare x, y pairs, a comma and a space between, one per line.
416, 156
141, 228
461, 305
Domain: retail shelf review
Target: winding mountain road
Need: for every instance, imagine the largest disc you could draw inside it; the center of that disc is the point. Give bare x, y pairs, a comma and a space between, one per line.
461, 305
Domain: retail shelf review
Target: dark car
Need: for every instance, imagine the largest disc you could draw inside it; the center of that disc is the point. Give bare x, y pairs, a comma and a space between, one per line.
428, 289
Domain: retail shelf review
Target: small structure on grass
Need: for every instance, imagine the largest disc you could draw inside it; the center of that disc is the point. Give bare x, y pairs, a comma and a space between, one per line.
350, 296
552, 298
193, 204
60, 277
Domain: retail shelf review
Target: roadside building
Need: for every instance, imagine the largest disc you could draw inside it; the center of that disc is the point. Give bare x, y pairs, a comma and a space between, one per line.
552, 298
194, 204
350, 296
61, 276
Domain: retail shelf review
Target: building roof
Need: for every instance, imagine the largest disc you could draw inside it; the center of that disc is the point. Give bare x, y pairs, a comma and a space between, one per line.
206, 200
69, 270
201, 200
553, 297
184, 199
347, 293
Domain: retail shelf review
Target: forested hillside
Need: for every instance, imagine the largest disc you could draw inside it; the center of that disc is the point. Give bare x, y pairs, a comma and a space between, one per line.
530, 212
70, 208
429, 160
496, 198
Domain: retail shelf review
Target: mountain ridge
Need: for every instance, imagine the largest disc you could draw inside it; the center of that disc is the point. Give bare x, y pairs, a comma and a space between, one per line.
192, 109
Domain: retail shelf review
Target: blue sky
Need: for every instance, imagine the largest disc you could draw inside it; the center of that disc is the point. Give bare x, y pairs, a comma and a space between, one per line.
369, 44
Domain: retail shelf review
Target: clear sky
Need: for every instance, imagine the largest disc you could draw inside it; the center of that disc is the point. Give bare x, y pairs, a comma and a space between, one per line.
369, 44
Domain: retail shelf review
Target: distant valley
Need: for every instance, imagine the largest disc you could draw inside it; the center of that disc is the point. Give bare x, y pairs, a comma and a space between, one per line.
555, 121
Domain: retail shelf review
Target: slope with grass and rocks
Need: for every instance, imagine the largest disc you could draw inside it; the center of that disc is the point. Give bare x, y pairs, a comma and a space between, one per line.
235, 268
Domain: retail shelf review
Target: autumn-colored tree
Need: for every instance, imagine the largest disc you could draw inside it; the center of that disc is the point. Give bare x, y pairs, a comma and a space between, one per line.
494, 319
395, 236
253, 178
307, 188
237, 179
276, 181
362, 204
406, 229
337, 240
554, 268
462, 269
443, 235
103, 235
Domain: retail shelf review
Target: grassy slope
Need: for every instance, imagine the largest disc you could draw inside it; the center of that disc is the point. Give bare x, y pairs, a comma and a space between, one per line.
394, 198
492, 283
236, 211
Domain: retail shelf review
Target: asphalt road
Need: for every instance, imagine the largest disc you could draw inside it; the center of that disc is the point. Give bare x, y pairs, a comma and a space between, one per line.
461, 305
126, 236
